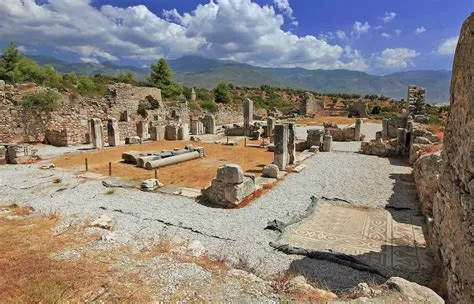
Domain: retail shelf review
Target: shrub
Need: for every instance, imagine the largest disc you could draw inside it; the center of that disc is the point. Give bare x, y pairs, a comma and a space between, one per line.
45, 100
142, 110
376, 110
209, 105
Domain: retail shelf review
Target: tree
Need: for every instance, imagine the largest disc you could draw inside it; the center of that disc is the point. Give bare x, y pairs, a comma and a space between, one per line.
221, 93
11, 56
162, 77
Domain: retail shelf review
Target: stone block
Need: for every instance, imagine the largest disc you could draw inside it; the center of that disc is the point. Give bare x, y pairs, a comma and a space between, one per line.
236, 193
271, 171
327, 143
113, 132
281, 146
132, 140
230, 174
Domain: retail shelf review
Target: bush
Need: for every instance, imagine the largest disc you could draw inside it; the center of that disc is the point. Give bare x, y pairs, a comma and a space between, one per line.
376, 110
45, 100
142, 110
209, 105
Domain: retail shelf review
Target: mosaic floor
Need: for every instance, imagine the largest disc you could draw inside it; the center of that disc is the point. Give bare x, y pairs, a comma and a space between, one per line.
371, 235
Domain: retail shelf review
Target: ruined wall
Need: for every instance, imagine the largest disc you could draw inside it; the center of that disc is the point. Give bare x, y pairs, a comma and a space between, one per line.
229, 115
453, 206
68, 125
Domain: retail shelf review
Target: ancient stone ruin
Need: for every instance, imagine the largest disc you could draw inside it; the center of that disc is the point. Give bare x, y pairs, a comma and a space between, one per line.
416, 103
309, 105
350, 133
153, 160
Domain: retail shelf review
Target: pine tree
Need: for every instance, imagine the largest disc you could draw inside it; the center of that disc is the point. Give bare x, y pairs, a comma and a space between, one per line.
162, 77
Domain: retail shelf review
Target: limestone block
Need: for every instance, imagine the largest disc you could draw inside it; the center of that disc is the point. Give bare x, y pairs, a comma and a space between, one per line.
327, 143
236, 193
230, 174
271, 171
132, 140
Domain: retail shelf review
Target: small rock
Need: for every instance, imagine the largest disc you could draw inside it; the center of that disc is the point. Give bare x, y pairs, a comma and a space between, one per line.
150, 184
314, 149
422, 140
196, 248
271, 171
109, 237
48, 166
176, 241
103, 222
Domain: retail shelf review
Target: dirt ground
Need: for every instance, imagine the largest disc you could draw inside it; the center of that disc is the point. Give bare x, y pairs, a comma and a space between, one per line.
318, 121
196, 173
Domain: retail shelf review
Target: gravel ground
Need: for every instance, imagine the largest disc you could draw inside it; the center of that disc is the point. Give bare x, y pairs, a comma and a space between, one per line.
233, 234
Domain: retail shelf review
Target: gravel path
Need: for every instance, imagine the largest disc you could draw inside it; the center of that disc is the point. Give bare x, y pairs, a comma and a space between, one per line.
234, 234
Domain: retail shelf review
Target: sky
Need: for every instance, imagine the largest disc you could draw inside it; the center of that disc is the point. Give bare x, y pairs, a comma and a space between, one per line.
374, 36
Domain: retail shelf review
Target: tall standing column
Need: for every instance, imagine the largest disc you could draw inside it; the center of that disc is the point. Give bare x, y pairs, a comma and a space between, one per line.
291, 144
113, 132
248, 115
270, 126
358, 126
210, 124
281, 146
96, 133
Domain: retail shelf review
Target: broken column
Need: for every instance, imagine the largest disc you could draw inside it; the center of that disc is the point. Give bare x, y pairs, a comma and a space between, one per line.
142, 129
209, 123
96, 133
270, 126
291, 144
230, 187
402, 141
358, 126
314, 137
327, 142
113, 132
248, 116
281, 146
385, 128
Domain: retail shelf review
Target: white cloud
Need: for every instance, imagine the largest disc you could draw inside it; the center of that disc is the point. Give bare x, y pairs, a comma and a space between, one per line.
378, 27
398, 58
388, 17
89, 60
284, 7
341, 35
420, 30
448, 46
240, 30
360, 28
398, 32
385, 35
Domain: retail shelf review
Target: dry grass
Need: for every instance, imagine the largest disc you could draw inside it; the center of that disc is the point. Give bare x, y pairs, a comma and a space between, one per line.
31, 273
196, 173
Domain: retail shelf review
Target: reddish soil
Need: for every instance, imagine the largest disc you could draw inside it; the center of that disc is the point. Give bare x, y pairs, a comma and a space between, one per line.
196, 173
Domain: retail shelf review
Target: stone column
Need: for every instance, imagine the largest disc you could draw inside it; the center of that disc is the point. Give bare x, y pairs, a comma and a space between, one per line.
327, 143
291, 144
96, 133
193, 95
281, 146
183, 132
270, 126
155, 133
358, 126
209, 122
171, 132
248, 115
142, 129
195, 126
402, 138
113, 132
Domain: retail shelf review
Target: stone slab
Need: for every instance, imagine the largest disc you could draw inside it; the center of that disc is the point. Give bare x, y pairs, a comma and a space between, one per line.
298, 168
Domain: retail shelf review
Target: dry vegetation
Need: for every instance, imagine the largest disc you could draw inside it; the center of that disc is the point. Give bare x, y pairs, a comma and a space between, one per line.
340, 120
196, 173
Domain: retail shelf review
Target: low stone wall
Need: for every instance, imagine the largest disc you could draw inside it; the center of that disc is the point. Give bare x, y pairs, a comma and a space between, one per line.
229, 115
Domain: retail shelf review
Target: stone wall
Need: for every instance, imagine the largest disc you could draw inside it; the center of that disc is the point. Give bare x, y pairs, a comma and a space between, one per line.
229, 115
453, 206
68, 125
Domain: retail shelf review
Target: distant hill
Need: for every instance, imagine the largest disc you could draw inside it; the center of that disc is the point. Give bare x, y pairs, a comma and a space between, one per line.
207, 73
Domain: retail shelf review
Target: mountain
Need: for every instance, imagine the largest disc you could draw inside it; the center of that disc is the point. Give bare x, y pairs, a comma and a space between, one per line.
207, 73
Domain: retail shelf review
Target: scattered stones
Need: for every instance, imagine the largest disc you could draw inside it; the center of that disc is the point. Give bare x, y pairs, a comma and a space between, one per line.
270, 171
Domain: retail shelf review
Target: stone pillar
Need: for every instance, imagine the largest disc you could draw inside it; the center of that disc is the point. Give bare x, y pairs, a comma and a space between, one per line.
385, 128
327, 143
155, 133
291, 144
171, 132
209, 122
183, 132
113, 132
96, 133
248, 115
401, 145
193, 95
314, 137
358, 126
142, 129
281, 146
270, 126
195, 125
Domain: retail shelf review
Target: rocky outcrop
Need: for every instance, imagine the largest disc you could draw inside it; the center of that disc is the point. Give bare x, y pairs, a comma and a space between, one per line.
453, 206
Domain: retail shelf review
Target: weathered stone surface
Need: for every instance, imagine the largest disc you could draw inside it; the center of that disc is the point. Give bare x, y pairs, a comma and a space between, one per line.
2, 85
142, 129
230, 174
327, 143
150, 185
3, 155
248, 116
309, 105
171, 132
414, 291
113, 132
209, 122
291, 144
281, 146
96, 133
358, 126
103, 222
236, 193
421, 140
131, 157
314, 137
270, 126
271, 171
426, 172
453, 206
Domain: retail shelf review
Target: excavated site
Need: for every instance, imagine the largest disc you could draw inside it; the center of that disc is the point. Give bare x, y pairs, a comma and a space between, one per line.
234, 207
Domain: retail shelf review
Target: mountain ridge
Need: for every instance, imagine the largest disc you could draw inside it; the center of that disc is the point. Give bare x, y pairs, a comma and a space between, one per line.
207, 73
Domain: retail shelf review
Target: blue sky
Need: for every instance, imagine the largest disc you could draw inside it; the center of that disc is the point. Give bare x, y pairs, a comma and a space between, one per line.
375, 36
